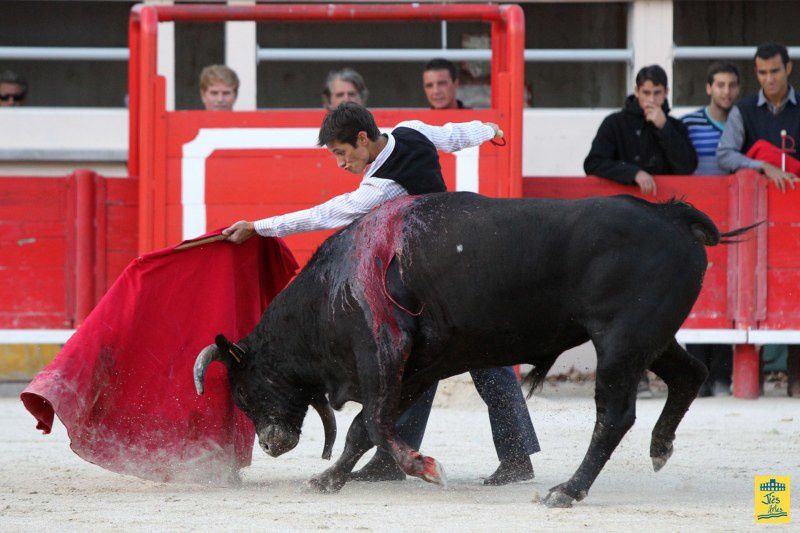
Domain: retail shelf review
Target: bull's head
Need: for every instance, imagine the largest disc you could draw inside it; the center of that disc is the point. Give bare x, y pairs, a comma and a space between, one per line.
275, 406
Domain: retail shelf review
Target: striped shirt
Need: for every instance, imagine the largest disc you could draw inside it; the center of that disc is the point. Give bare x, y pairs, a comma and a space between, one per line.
705, 133
345, 208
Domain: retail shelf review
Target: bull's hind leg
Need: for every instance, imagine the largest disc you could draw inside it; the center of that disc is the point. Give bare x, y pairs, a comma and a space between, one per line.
684, 375
618, 372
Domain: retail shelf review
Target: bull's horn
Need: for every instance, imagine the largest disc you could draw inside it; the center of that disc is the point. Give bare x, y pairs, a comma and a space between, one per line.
328, 423
208, 354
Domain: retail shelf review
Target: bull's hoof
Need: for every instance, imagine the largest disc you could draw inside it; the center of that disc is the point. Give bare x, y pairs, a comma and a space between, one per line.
433, 472
380, 468
660, 452
556, 499
326, 483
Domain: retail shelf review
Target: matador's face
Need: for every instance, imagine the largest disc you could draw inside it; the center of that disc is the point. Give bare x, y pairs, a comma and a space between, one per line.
352, 158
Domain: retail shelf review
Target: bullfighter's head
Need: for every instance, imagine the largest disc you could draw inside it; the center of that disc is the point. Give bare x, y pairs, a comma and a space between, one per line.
276, 407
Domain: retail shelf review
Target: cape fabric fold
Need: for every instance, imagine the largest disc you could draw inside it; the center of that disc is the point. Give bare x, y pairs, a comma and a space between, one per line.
123, 384
768, 152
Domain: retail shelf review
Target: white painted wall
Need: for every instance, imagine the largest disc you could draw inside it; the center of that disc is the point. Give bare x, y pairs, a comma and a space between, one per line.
42, 141
555, 141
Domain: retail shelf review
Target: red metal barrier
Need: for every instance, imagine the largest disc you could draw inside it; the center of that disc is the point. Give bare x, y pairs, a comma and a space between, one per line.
64, 240
200, 171
748, 287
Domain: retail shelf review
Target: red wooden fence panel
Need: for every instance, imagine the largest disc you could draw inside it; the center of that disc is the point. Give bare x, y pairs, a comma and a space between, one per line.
42, 250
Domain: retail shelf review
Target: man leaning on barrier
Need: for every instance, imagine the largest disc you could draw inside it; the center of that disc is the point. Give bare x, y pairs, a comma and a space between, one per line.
760, 118
642, 139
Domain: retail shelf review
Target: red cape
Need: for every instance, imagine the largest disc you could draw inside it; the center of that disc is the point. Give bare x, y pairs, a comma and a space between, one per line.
123, 385
768, 152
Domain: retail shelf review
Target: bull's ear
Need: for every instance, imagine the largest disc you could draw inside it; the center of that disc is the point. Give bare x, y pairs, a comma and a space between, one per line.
229, 349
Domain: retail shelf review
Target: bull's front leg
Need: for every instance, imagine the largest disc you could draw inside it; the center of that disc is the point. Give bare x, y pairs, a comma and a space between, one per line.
356, 444
381, 384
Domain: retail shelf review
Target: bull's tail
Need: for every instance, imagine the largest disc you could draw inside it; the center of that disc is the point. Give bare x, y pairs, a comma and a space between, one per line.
699, 224
735, 233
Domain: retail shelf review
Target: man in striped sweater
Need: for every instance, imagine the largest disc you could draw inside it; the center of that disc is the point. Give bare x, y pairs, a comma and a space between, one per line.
707, 123
705, 130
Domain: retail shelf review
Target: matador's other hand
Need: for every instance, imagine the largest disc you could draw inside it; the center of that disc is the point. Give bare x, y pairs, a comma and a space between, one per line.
498, 133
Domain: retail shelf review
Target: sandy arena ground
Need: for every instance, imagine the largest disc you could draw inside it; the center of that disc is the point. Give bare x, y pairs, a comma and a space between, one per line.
707, 485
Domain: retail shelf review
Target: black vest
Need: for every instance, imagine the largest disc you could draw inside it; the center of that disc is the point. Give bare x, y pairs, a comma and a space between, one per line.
760, 123
414, 163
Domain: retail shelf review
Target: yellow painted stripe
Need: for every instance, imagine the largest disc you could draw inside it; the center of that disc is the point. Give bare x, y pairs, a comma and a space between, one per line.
23, 361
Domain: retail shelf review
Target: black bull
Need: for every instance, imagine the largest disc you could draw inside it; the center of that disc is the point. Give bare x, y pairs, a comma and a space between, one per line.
427, 287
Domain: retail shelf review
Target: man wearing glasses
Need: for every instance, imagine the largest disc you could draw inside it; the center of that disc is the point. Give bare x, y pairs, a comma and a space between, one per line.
13, 89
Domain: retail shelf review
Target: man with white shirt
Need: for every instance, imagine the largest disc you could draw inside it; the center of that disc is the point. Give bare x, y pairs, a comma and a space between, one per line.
404, 162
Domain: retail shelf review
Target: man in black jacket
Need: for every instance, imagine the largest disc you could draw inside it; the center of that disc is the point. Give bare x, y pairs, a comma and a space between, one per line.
642, 139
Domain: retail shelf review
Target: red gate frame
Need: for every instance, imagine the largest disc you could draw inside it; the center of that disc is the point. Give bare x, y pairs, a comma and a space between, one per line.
148, 115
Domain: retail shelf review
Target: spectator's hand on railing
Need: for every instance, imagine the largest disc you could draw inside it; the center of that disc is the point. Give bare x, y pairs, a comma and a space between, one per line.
239, 232
779, 177
646, 182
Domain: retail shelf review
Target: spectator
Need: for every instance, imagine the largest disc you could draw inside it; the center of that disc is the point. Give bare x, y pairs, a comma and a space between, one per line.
13, 89
707, 123
440, 82
642, 139
345, 85
762, 116
705, 129
219, 87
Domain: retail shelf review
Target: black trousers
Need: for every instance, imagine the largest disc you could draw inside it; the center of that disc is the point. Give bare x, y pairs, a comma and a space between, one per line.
717, 357
512, 429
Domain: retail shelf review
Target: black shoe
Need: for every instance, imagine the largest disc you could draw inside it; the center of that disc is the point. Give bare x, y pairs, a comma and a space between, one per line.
379, 468
511, 471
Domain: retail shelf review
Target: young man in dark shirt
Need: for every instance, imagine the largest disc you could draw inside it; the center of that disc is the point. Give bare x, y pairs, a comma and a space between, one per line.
642, 139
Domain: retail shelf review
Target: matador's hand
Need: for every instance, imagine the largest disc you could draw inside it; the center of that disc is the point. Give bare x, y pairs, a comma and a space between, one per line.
239, 232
